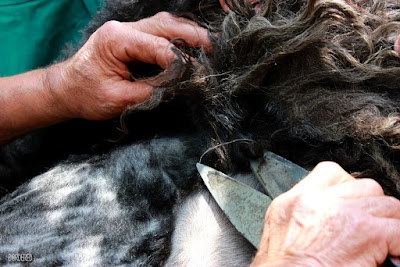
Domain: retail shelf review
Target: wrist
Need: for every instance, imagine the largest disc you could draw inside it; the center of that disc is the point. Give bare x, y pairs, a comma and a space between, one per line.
57, 85
30, 101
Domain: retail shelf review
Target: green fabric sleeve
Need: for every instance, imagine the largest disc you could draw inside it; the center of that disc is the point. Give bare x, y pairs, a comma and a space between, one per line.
33, 32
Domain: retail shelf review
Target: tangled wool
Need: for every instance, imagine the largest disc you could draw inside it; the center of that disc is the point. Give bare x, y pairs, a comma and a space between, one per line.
311, 80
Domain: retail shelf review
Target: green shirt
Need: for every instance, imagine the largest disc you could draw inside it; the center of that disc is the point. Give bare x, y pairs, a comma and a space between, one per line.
34, 32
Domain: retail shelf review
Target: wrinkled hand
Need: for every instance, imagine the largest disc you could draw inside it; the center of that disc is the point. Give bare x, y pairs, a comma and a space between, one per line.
330, 219
95, 82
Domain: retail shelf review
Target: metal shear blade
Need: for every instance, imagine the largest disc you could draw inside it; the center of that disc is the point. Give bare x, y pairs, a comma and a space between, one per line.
244, 206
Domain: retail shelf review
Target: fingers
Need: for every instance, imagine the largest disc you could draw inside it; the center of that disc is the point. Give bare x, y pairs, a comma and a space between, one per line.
170, 27
126, 45
134, 92
147, 48
324, 175
356, 189
389, 230
102, 61
148, 40
336, 182
377, 206
384, 223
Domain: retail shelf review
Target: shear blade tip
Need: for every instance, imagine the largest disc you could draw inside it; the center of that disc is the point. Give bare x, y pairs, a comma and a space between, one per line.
201, 168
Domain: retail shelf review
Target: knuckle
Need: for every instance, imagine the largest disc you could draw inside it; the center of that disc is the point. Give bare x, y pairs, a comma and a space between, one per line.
163, 47
166, 21
359, 223
373, 186
328, 165
109, 31
362, 223
332, 172
161, 43
394, 203
164, 17
111, 26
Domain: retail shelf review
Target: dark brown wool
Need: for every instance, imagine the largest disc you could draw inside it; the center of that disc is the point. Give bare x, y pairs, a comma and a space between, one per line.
310, 80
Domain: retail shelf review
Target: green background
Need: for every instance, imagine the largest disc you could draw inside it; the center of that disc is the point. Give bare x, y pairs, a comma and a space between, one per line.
34, 32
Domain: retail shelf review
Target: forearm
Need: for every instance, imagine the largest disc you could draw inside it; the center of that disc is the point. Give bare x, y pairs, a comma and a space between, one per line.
28, 102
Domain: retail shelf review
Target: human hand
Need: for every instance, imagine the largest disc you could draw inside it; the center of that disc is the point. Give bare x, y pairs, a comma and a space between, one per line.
95, 83
330, 219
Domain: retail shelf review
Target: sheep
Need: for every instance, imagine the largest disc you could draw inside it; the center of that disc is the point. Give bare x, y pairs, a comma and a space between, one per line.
309, 80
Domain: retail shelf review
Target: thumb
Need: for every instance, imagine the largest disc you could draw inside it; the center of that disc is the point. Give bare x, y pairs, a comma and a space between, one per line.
125, 44
133, 93
323, 176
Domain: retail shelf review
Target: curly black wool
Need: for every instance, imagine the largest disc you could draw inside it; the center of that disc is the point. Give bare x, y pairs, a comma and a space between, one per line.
310, 80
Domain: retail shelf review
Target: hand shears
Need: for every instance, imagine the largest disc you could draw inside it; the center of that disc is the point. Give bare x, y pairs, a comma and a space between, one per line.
244, 206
